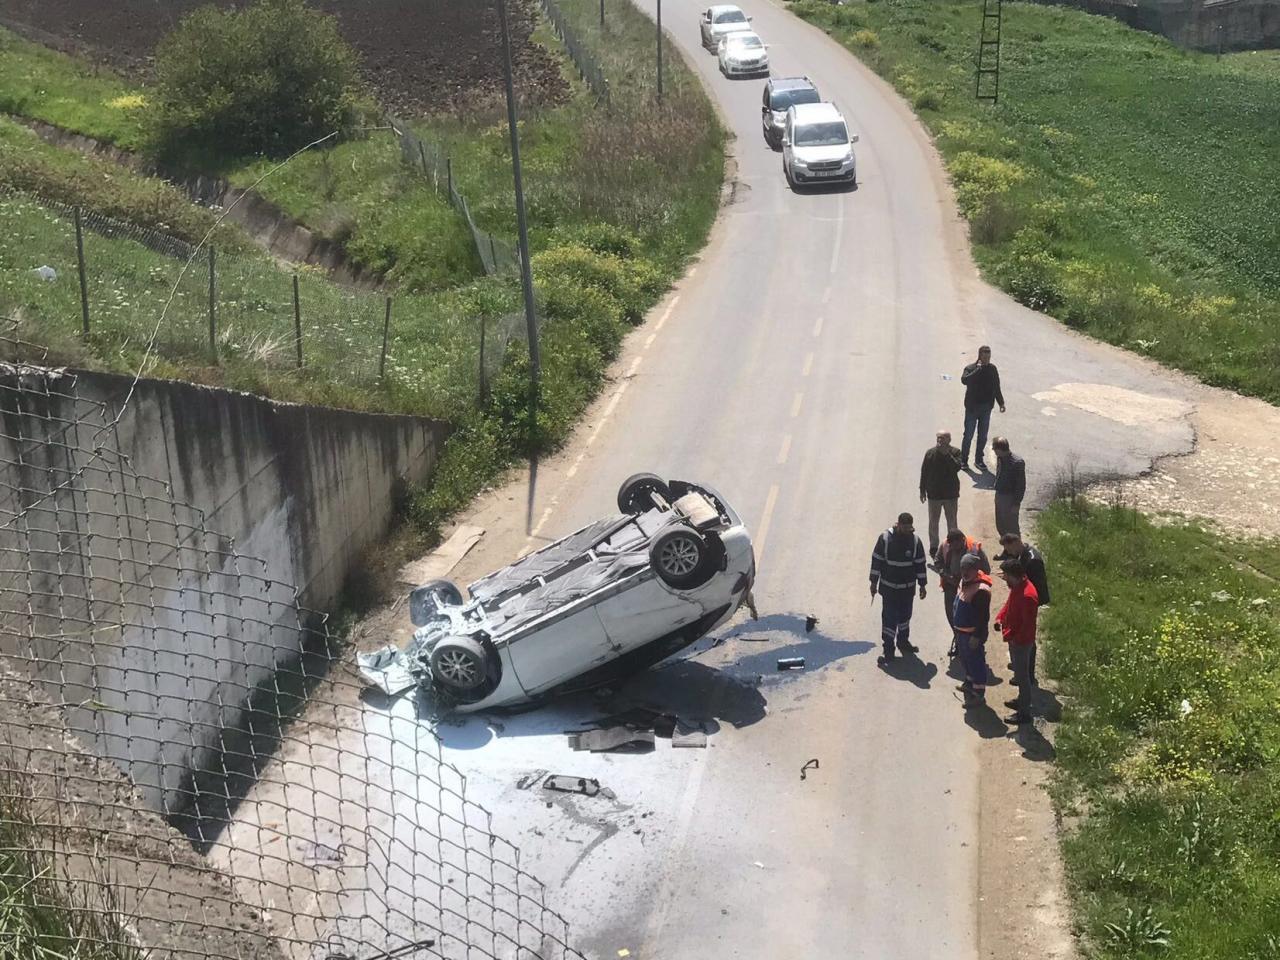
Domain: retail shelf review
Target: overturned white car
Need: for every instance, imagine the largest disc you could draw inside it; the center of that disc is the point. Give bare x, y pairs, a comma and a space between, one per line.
611, 599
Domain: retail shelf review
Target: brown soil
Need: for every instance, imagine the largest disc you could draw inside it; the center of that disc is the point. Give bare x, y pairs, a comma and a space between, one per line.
419, 56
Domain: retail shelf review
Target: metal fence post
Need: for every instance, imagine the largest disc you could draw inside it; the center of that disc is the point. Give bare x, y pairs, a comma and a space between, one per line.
448, 171
493, 258
484, 376
213, 320
297, 321
602, 14
84, 285
386, 329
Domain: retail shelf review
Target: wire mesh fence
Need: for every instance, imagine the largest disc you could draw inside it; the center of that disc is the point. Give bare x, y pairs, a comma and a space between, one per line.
80, 275
186, 763
583, 59
434, 163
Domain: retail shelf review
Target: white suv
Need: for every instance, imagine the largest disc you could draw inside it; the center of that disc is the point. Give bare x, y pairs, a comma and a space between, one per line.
817, 146
614, 598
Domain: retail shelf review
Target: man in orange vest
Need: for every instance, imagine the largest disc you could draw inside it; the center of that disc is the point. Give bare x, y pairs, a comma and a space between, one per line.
947, 564
970, 621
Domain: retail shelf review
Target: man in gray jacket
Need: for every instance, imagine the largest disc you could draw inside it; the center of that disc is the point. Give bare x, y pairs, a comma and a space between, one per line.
1011, 486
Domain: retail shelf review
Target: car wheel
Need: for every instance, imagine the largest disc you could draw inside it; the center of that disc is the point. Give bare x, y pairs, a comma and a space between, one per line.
681, 558
461, 667
425, 600
636, 493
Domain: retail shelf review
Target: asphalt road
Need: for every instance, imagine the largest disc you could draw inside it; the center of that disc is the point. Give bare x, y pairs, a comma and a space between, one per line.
801, 368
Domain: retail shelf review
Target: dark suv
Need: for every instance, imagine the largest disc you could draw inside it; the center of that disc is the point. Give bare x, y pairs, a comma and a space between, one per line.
779, 94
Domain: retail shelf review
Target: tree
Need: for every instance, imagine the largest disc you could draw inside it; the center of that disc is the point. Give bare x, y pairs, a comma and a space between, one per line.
266, 79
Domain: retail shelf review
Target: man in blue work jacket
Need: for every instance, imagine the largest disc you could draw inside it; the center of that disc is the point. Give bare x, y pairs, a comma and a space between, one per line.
897, 572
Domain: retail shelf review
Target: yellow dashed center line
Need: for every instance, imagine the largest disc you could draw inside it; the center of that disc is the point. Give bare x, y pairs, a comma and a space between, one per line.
796, 401
785, 451
808, 365
762, 531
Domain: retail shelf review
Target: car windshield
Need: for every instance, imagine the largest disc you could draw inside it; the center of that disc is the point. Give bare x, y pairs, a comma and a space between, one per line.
746, 43
829, 134
781, 99
731, 16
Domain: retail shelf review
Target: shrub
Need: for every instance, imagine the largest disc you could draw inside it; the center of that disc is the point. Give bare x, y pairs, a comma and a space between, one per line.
267, 79
1031, 272
632, 283
867, 39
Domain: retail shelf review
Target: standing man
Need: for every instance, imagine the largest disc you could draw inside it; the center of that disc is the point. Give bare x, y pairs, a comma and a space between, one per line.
1033, 564
940, 484
1017, 623
897, 571
947, 562
970, 623
1011, 486
981, 392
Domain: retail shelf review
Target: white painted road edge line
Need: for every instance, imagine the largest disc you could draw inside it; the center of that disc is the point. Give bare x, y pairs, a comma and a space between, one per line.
762, 532
665, 314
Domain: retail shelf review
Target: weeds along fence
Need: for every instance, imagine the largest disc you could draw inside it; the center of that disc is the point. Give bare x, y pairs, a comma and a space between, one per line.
187, 767
436, 165
588, 67
82, 278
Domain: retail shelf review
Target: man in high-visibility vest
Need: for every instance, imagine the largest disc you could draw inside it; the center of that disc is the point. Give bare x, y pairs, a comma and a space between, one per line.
971, 621
897, 571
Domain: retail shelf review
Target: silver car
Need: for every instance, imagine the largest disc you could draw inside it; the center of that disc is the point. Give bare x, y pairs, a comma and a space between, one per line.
743, 54
613, 598
720, 21
817, 146
780, 93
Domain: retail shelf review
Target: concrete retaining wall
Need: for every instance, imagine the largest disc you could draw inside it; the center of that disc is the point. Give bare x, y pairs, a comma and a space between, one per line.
1196, 24
154, 572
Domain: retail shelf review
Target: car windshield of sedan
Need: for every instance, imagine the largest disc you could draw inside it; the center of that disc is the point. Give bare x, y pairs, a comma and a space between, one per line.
731, 16
742, 44
829, 134
781, 99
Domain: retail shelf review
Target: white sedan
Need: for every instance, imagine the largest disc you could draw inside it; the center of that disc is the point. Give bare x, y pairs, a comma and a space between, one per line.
743, 55
611, 599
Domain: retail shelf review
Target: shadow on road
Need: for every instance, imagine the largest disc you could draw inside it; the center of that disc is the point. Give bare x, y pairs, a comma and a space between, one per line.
985, 722
912, 669
1034, 745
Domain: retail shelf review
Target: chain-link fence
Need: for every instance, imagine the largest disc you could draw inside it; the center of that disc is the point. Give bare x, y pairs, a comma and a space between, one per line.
83, 277
436, 165
187, 765
582, 58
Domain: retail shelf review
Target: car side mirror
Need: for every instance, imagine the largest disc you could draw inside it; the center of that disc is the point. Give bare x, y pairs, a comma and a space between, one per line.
786, 141
749, 19
854, 138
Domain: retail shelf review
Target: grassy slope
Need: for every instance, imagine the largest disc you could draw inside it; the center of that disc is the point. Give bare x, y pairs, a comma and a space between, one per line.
1122, 184
1170, 809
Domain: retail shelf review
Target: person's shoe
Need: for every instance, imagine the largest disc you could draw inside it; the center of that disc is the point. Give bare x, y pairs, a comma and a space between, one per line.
1017, 719
981, 466
1012, 705
1014, 681
964, 687
884, 661
907, 648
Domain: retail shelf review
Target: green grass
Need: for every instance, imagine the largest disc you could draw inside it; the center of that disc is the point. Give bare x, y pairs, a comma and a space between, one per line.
1122, 184
432, 366
1166, 642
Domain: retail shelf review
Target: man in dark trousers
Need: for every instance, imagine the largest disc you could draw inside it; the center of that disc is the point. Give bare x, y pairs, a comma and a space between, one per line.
947, 562
940, 485
1017, 623
970, 621
1033, 563
981, 392
1011, 486
897, 572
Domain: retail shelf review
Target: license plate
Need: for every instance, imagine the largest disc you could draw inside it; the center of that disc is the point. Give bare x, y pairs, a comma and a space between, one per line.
825, 173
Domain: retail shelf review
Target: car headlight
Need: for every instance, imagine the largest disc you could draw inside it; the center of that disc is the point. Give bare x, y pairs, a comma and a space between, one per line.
796, 161
778, 118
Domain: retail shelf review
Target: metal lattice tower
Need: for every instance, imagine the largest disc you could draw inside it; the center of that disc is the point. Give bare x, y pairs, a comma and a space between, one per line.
989, 53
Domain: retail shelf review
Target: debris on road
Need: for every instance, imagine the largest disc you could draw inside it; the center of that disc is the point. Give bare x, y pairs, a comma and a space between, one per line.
529, 779
46, 273
612, 738
694, 738
587, 786
753, 639
315, 854
809, 765
809, 623
790, 663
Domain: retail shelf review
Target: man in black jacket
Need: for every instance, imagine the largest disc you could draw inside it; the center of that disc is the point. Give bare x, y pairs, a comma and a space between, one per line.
1011, 487
940, 485
897, 572
981, 392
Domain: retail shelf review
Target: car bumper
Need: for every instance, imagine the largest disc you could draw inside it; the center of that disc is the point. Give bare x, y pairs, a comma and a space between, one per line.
834, 176
746, 70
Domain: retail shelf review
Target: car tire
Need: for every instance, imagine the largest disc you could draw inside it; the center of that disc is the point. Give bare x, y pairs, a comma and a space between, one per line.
425, 600
635, 494
462, 668
681, 558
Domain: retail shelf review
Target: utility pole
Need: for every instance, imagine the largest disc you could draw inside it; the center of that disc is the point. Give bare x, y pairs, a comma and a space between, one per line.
602, 14
526, 274
659, 51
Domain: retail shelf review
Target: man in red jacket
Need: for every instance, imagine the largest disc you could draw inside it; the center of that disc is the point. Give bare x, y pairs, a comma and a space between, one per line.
1017, 623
